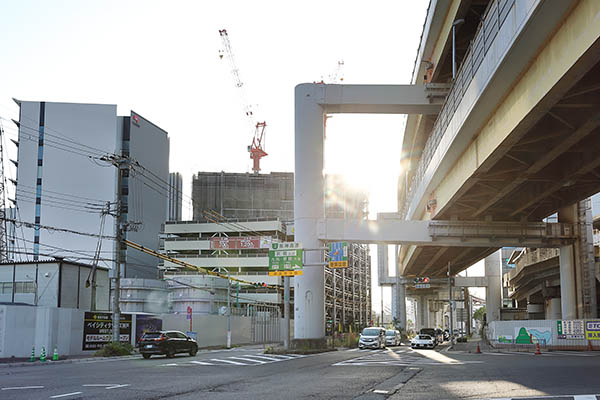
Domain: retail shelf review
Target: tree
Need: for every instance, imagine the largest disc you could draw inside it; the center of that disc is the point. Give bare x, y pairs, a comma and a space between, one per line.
478, 315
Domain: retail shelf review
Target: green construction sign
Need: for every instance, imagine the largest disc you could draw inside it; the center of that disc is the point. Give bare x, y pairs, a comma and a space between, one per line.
285, 256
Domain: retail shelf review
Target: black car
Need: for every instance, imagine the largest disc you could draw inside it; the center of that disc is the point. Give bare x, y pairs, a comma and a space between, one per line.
168, 343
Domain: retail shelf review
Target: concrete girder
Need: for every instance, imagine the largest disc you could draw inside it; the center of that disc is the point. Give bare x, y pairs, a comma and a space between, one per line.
382, 99
446, 233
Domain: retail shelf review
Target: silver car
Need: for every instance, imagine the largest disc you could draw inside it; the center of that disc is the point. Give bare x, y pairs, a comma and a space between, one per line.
372, 337
392, 337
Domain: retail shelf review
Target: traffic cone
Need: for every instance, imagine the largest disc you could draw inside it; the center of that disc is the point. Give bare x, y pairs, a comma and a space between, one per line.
478, 351
32, 358
537, 349
590, 347
55, 354
43, 355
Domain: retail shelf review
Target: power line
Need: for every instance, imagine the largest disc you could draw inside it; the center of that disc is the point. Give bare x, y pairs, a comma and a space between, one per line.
55, 229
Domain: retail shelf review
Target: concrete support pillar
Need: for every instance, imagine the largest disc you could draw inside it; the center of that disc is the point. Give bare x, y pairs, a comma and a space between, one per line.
493, 292
568, 292
468, 321
309, 294
422, 312
432, 314
553, 308
401, 304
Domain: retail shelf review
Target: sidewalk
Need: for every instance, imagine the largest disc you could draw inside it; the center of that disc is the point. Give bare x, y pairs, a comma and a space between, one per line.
471, 346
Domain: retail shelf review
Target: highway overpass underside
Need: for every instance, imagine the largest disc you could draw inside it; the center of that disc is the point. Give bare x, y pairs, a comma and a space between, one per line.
535, 154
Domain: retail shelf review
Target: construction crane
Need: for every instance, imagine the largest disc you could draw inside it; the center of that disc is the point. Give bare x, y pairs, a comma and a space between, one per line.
257, 147
4, 250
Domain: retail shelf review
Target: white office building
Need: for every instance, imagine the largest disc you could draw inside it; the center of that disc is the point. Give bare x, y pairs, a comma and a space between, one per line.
63, 182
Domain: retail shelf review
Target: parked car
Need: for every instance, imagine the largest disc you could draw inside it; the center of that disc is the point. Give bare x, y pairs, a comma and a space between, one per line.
392, 337
168, 343
372, 337
430, 332
422, 341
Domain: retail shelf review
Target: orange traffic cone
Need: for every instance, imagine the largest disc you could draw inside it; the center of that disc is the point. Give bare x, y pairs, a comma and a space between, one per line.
537, 349
590, 347
478, 351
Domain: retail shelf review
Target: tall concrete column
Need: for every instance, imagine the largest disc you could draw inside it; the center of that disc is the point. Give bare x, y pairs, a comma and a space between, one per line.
493, 291
421, 312
553, 308
468, 321
401, 304
309, 294
432, 314
568, 293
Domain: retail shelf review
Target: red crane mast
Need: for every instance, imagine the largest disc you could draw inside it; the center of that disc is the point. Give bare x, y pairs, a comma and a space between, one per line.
256, 148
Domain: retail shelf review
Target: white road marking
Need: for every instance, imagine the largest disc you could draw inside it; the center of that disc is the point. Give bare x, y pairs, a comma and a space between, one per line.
169, 365
99, 384
228, 361
65, 395
201, 363
22, 387
585, 397
117, 386
381, 391
281, 356
249, 359
264, 357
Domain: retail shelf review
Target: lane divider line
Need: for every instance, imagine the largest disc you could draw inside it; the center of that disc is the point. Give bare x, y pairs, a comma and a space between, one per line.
65, 395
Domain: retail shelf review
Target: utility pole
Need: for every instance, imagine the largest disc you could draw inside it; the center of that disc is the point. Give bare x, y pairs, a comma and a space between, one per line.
123, 163
286, 311
451, 302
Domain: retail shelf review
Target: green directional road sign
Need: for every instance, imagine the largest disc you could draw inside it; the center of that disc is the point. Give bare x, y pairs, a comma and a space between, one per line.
285, 256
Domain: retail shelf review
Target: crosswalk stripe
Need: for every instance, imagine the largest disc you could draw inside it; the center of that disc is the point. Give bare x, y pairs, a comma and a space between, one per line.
227, 361
249, 359
201, 363
264, 357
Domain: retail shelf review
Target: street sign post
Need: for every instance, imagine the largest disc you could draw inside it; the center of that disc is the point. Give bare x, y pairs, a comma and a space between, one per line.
189, 316
285, 259
338, 255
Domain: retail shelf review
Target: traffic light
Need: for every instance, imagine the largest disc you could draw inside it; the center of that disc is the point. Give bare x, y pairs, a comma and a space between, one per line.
424, 279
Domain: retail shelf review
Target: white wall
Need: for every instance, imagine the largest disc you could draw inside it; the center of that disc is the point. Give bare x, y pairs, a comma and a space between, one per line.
22, 327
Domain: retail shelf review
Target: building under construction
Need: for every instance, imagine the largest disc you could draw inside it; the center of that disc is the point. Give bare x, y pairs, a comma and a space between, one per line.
238, 196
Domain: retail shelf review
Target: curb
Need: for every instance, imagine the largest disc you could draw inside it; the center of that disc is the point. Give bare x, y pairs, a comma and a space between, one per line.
68, 361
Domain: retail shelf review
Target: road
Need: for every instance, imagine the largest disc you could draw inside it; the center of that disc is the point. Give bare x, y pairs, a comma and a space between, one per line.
393, 373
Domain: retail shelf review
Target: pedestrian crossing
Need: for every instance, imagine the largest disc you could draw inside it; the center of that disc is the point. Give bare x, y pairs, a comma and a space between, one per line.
238, 360
400, 357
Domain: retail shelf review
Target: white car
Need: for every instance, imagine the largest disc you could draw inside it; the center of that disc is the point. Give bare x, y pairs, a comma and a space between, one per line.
422, 341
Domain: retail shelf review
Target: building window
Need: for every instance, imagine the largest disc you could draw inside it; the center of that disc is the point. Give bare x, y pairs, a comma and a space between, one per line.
25, 287
6, 287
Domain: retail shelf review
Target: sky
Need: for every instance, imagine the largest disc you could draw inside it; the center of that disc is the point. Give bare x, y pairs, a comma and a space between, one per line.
161, 59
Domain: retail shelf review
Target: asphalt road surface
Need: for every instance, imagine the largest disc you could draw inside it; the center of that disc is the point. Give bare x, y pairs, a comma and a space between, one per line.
394, 373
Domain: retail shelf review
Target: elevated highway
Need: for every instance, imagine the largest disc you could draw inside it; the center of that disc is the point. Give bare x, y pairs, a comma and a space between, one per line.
515, 138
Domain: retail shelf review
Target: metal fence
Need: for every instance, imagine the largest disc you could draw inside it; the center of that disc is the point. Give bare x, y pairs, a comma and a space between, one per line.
265, 327
493, 19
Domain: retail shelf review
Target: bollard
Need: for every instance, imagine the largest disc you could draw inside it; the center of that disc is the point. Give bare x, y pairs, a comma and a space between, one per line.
537, 349
32, 359
55, 354
43, 354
